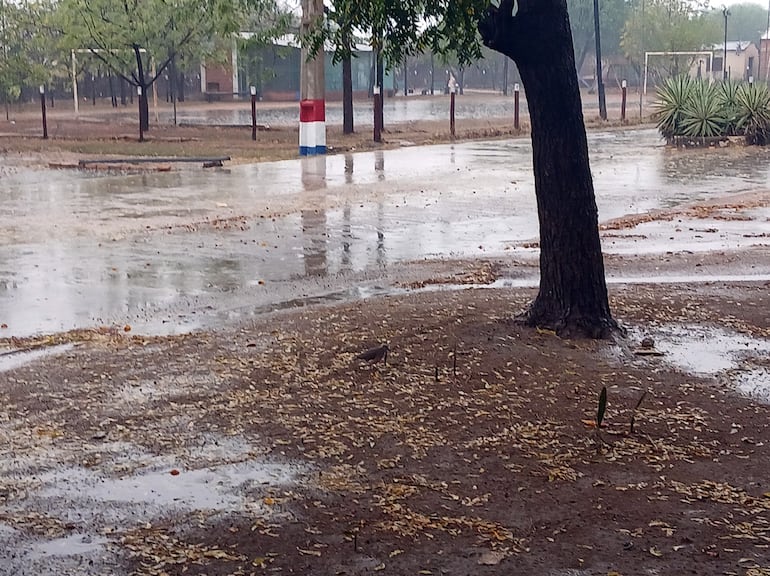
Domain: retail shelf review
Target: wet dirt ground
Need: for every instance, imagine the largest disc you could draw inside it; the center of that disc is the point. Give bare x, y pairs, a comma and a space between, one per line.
257, 443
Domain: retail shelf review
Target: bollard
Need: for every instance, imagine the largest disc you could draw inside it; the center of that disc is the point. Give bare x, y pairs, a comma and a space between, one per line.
516, 106
141, 129
377, 105
623, 88
452, 112
253, 90
42, 107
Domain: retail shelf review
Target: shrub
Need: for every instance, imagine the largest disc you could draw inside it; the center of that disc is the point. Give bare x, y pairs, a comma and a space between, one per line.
703, 115
673, 96
701, 109
753, 113
727, 94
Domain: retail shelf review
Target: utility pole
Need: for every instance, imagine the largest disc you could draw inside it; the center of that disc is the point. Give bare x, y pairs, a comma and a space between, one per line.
642, 67
767, 47
599, 80
725, 13
312, 106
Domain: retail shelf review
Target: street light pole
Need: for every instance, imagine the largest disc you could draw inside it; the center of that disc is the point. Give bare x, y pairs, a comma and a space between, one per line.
725, 13
599, 80
767, 47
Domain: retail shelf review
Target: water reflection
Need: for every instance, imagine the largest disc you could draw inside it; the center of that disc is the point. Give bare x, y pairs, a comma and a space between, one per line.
313, 218
78, 249
395, 110
379, 164
349, 163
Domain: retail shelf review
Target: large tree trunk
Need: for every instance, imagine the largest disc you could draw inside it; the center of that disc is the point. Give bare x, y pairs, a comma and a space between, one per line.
144, 107
573, 293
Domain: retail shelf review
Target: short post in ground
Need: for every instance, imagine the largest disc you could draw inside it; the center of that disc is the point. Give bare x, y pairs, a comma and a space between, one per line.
623, 89
42, 108
253, 90
377, 136
141, 128
516, 106
452, 111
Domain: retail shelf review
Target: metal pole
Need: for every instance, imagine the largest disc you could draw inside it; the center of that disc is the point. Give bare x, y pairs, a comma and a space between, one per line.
641, 93
406, 76
452, 112
599, 80
761, 37
725, 13
42, 107
253, 90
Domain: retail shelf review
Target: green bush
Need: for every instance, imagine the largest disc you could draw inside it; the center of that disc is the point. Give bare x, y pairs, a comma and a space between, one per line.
727, 93
703, 116
673, 96
753, 117
702, 109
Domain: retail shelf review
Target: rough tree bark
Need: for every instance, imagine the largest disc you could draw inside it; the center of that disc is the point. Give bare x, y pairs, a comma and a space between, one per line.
572, 299
144, 107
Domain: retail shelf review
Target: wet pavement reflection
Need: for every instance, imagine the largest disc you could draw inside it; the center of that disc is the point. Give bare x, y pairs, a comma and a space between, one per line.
166, 252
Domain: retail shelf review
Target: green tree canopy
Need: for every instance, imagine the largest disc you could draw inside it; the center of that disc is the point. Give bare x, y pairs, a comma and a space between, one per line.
28, 54
745, 22
127, 36
667, 26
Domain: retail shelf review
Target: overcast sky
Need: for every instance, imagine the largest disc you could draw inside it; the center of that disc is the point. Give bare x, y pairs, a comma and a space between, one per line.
762, 3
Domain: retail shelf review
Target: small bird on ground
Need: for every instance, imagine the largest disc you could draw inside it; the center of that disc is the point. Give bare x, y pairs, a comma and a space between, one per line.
374, 355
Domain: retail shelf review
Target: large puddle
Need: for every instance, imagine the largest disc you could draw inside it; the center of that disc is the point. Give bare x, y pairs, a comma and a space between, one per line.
171, 252
737, 360
17, 357
96, 507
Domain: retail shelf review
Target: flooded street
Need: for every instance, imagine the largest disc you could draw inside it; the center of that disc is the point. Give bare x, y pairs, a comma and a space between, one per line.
268, 443
169, 252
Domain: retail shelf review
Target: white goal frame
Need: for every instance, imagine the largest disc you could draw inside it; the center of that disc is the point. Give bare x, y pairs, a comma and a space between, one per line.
94, 51
708, 54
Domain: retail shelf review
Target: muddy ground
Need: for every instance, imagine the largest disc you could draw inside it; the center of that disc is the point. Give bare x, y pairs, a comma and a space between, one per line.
267, 447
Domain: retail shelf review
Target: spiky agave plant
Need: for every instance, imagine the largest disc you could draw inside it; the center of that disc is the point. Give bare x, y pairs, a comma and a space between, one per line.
673, 96
727, 95
753, 114
703, 115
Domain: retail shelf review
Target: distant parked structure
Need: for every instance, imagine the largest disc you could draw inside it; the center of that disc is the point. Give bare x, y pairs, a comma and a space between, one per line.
274, 70
764, 57
742, 60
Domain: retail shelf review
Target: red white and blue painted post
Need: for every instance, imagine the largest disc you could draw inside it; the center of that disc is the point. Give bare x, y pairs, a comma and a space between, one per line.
312, 127
312, 108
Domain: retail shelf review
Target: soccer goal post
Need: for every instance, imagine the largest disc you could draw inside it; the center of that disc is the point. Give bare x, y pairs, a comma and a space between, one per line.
709, 58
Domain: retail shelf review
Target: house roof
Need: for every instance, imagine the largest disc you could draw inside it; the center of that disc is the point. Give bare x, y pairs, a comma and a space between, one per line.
732, 46
292, 41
